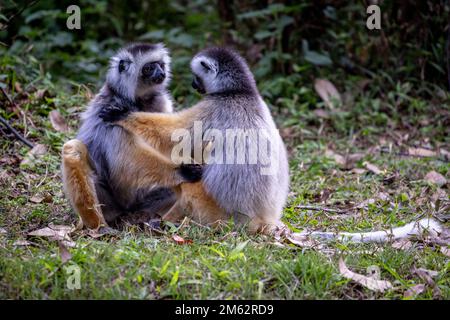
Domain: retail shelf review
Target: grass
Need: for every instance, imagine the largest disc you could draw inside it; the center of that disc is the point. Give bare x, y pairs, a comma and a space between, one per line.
230, 264
226, 264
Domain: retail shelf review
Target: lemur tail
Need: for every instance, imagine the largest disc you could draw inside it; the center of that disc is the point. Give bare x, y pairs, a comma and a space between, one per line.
414, 228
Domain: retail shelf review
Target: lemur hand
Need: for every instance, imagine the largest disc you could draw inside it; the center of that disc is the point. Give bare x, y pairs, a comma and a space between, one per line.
114, 113
191, 172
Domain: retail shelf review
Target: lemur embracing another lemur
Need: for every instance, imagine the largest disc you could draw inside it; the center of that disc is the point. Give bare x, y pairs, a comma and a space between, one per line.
107, 172
231, 102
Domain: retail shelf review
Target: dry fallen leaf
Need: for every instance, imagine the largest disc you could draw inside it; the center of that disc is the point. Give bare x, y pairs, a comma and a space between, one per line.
18, 87
365, 203
383, 196
22, 243
3, 231
328, 93
102, 231
358, 170
402, 244
436, 178
321, 113
38, 151
421, 152
36, 199
414, 290
445, 153
58, 122
445, 251
56, 233
4, 177
426, 275
301, 240
39, 94
180, 240
373, 168
64, 252
368, 282
340, 160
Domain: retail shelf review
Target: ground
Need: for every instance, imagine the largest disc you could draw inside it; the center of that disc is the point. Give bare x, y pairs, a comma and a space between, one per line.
333, 153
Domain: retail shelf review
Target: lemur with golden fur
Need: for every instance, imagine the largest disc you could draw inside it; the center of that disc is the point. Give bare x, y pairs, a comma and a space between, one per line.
107, 172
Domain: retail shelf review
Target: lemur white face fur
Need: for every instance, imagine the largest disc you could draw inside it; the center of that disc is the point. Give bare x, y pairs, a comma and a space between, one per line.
221, 70
139, 69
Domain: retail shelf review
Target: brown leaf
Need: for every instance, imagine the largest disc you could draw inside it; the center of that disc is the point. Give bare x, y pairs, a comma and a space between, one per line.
421, 152
64, 252
414, 290
4, 177
373, 168
36, 199
18, 87
180, 240
301, 240
340, 160
22, 243
322, 113
55, 233
445, 251
436, 178
328, 93
402, 244
383, 196
426, 275
358, 171
445, 153
365, 203
38, 151
58, 122
368, 282
102, 231
39, 94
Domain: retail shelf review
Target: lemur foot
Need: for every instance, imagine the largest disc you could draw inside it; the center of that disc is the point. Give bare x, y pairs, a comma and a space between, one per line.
74, 150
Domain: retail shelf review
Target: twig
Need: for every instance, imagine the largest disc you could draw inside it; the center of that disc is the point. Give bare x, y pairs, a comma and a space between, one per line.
8, 97
16, 133
321, 209
440, 157
448, 55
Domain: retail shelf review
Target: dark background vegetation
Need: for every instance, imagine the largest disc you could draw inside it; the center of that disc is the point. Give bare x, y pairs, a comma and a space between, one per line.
394, 114
288, 44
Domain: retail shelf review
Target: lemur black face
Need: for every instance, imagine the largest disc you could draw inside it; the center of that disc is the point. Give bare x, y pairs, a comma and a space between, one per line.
153, 72
197, 84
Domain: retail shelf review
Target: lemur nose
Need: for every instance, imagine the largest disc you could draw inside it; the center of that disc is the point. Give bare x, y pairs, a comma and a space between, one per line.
153, 71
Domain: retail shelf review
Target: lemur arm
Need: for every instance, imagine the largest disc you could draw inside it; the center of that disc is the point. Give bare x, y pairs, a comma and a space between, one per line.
155, 168
156, 129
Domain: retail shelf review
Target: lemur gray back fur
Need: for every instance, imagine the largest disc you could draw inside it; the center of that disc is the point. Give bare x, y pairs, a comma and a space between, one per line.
107, 143
232, 101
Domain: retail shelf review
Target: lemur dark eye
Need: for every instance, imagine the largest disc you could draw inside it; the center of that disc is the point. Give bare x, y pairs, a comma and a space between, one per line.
203, 63
123, 65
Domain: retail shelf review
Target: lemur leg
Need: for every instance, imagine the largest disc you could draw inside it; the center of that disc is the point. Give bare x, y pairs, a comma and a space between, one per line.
78, 180
195, 203
264, 226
